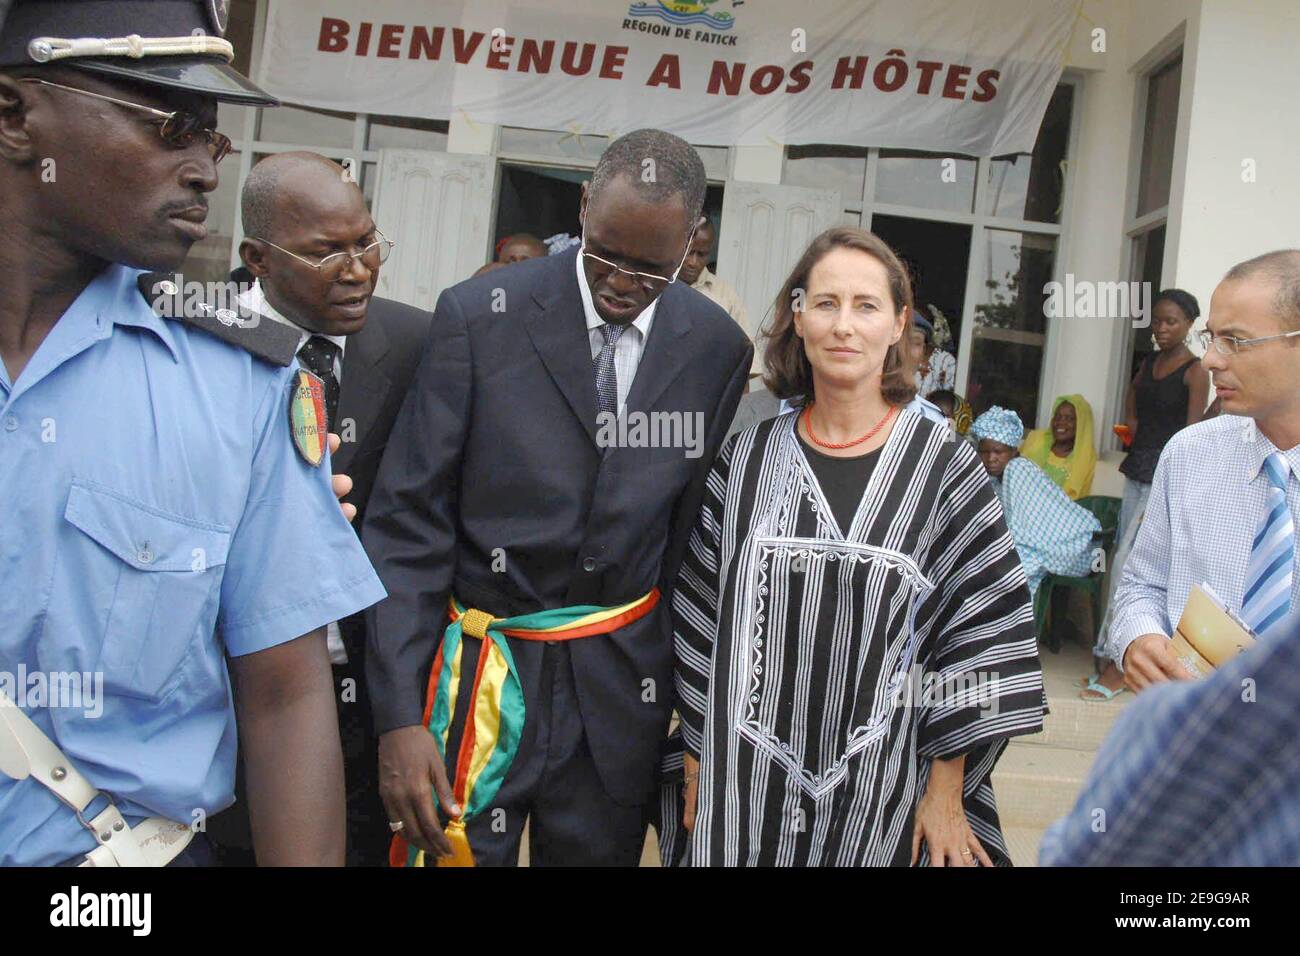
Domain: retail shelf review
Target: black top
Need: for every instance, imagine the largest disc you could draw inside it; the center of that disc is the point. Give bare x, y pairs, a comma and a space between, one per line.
843, 480
1161, 412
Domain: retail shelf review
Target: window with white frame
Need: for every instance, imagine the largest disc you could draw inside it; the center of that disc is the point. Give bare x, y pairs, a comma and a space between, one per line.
1147, 210
1148, 213
355, 138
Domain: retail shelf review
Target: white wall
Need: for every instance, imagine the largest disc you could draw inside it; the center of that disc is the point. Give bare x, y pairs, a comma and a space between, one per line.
1244, 106
1091, 246
1085, 355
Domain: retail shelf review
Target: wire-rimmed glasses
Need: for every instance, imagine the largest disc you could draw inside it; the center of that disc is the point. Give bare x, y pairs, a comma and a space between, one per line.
178, 129
334, 266
649, 281
1231, 345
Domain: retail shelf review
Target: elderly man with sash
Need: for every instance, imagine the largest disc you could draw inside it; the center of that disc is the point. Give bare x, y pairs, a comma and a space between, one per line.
537, 491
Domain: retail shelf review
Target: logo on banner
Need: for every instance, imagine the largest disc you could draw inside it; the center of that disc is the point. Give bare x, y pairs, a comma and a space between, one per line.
684, 14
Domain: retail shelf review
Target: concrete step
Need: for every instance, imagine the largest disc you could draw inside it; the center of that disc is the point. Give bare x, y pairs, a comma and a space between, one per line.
1022, 842
1072, 722
1076, 724
1036, 784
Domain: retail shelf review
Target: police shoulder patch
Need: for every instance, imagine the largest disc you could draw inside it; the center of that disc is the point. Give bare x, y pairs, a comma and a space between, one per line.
308, 422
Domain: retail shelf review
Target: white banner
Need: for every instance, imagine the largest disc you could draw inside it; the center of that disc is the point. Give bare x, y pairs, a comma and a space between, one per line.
957, 76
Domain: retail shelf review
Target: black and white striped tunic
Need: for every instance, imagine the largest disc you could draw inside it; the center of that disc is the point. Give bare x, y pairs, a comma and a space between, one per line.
819, 672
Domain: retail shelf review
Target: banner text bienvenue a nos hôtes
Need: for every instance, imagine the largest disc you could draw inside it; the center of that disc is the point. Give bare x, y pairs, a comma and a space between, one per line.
969, 77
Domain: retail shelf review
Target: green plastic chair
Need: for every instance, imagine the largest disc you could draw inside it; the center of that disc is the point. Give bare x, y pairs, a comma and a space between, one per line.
1106, 509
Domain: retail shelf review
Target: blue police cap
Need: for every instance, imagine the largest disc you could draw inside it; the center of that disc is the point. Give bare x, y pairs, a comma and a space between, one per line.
176, 44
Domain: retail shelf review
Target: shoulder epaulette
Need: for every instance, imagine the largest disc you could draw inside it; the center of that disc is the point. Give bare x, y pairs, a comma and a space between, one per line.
220, 315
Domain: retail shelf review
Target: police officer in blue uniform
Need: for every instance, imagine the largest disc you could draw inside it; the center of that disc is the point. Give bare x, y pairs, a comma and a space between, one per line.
165, 499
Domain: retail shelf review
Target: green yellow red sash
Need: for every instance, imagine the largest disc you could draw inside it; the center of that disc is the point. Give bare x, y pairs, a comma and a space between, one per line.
495, 721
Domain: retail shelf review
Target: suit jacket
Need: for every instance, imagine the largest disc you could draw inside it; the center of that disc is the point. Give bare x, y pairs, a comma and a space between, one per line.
379, 363
496, 448
379, 366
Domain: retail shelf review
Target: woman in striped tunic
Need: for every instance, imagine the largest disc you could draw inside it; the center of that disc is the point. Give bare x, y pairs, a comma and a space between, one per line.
854, 635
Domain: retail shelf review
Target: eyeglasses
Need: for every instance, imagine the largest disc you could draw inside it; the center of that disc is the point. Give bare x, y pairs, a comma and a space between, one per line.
1230, 345
178, 130
651, 283
337, 264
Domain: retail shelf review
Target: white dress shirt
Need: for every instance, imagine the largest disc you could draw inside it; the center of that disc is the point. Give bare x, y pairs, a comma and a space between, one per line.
1206, 502
255, 300
630, 345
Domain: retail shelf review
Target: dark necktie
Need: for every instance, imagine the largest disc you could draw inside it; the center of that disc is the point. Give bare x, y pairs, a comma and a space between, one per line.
317, 355
606, 376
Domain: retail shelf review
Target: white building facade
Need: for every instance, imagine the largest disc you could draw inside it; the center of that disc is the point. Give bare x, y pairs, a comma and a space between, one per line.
1168, 153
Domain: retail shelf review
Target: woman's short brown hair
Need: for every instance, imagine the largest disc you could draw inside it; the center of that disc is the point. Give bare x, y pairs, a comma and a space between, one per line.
789, 374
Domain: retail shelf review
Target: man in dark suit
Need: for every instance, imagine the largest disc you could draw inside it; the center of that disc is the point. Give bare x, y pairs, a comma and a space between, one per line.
505, 487
311, 260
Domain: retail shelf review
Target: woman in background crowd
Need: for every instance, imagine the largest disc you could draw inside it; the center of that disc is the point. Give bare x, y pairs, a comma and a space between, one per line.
1052, 534
1065, 451
936, 369
1169, 392
841, 554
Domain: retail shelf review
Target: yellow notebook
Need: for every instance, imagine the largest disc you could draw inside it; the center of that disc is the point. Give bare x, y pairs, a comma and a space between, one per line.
1208, 634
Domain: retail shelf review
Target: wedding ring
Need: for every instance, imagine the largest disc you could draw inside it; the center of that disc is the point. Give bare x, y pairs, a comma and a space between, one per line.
396, 826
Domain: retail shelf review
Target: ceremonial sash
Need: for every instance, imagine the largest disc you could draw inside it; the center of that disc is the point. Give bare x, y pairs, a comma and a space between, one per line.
495, 720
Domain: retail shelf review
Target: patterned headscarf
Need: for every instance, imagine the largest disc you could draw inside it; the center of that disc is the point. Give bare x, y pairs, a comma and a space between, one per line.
1000, 425
961, 416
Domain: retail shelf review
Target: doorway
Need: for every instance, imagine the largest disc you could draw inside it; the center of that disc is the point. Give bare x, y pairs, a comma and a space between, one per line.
936, 255
543, 201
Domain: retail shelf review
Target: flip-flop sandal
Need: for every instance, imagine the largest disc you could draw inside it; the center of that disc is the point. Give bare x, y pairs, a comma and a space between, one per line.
1085, 681
1105, 692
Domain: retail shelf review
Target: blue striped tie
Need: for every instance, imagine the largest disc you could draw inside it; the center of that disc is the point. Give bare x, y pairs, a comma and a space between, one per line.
1267, 598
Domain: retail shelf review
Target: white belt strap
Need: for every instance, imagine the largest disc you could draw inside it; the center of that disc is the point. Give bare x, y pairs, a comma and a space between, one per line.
25, 751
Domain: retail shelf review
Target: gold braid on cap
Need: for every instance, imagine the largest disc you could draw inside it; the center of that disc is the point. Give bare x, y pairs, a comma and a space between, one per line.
47, 49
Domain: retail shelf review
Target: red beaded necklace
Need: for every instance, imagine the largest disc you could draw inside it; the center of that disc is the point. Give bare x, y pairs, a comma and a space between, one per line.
807, 421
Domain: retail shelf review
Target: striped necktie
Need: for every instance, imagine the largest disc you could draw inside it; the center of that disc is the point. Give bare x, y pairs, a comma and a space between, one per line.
606, 376
1267, 597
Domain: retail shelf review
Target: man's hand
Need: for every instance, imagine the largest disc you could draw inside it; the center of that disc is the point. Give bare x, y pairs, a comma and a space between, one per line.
691, 791
410, 771
342, 483
1148, 660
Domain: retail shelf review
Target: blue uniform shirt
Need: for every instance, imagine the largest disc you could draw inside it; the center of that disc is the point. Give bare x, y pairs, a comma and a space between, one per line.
154, 514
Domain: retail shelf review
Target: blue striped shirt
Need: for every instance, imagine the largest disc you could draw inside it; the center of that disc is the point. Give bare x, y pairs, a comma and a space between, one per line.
1207, 499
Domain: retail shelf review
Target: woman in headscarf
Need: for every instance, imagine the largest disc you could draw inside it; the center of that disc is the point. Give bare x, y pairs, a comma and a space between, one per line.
1053, 535
850, 612
1065, 450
